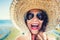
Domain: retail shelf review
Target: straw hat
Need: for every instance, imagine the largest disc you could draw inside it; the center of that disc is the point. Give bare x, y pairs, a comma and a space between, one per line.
20, 7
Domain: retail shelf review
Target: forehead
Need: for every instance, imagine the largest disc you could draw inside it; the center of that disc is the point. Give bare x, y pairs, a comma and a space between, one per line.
35, 11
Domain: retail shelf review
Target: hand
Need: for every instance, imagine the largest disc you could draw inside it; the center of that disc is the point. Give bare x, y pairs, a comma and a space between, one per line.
42, 36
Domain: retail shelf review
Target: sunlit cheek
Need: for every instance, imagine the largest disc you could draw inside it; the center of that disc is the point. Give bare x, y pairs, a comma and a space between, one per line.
40, 22
28, 23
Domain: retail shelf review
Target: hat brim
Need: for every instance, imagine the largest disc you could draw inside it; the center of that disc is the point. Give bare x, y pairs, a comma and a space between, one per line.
19, 8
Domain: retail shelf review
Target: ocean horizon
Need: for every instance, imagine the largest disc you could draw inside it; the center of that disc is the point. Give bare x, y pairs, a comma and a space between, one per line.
6, 23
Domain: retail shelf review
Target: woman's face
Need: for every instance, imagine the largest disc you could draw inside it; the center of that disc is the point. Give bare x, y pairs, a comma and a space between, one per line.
34, 23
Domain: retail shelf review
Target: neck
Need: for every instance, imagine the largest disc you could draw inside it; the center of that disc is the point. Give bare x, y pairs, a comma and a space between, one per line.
33, 36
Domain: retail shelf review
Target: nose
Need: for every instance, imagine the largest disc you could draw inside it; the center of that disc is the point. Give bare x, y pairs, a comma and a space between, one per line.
35, 19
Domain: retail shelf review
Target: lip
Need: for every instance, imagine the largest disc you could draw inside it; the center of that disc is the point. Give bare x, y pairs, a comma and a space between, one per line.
35, 26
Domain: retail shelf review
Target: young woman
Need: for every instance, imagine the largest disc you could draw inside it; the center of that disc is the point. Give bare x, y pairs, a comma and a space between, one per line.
31, 18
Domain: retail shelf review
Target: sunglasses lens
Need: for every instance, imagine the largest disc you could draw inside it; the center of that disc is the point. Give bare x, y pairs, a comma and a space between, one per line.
40, 16
29, 16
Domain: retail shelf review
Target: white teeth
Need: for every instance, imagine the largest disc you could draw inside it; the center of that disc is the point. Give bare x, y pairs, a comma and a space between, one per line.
34, 24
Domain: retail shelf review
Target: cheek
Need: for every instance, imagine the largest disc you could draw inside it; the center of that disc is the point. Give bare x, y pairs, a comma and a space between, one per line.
28, 23
40, 22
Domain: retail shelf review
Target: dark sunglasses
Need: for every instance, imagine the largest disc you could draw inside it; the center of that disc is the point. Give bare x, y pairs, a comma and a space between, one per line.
40, 16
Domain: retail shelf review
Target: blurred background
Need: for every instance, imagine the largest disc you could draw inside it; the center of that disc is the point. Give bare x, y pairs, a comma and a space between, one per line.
7, 29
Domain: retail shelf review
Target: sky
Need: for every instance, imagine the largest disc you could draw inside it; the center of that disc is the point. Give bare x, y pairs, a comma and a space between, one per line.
5, 9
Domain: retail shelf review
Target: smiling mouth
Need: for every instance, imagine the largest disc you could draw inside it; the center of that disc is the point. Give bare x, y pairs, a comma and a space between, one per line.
34, 26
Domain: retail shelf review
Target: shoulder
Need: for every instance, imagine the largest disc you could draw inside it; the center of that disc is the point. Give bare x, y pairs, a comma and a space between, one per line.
19, 38
23, 37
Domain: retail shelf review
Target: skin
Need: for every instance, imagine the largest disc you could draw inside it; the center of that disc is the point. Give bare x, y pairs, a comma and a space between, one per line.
34, 21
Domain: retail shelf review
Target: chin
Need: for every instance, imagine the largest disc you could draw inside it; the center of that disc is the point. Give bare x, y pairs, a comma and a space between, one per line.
34, 32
